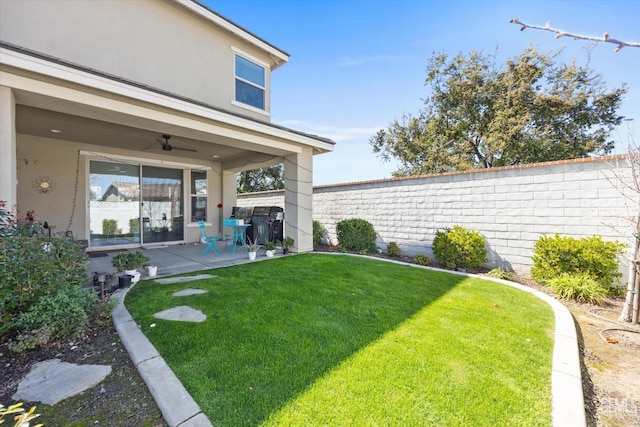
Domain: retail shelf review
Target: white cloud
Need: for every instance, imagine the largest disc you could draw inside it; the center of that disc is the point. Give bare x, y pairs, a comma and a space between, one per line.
335, 133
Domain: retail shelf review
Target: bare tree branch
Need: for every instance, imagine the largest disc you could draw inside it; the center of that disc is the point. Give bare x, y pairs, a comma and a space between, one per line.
560, 33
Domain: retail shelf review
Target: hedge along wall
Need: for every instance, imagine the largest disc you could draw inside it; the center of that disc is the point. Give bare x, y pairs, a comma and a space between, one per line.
510, 206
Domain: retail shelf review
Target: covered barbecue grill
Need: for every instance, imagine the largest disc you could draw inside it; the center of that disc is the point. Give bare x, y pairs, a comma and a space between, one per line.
266, 222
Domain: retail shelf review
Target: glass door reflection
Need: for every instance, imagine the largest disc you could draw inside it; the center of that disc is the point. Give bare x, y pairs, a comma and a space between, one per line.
114, 204
162, 205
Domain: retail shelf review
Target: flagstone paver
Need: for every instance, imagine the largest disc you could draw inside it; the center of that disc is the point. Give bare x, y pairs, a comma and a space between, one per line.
183, 313
187, 292
51, 381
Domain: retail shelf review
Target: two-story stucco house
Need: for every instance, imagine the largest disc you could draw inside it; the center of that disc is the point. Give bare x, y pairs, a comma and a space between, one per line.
140, 112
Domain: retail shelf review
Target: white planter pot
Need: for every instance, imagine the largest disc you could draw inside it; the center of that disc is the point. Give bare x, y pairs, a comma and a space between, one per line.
153, 270
136, 275
270, 253
252, 256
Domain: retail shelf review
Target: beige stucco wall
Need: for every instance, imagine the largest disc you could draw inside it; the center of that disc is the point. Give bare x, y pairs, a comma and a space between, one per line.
58, 160
155, 42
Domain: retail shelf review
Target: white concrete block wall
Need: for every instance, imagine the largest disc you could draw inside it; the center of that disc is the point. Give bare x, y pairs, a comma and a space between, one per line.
511, 207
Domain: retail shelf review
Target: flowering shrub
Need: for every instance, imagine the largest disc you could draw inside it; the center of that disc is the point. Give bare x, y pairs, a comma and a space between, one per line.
36, 271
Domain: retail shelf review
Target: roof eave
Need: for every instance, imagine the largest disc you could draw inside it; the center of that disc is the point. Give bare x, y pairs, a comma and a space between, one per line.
278, 56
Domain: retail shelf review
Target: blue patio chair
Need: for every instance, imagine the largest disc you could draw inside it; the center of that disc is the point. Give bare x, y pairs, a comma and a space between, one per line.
210, 241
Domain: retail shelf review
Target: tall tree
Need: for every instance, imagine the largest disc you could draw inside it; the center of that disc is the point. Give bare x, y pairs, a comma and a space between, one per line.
262, 179
478, 115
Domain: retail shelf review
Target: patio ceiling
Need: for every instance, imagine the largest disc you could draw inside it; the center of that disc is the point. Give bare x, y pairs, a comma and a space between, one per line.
40, 122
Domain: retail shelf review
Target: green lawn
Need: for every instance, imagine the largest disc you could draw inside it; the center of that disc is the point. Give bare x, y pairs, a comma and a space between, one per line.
336, 340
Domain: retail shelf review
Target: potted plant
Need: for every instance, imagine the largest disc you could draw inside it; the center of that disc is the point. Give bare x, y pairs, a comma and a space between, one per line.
270, 248
129, 262
252, 248
287, 244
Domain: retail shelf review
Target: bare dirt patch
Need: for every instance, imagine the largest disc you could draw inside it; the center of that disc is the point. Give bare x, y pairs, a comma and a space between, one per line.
122, 399
611, 364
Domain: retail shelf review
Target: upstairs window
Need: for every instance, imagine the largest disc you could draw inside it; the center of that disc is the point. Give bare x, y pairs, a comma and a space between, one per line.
250, 83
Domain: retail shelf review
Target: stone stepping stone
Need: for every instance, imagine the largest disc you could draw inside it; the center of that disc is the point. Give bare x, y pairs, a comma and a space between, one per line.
52, 381
187, 292
183, 313
182, 279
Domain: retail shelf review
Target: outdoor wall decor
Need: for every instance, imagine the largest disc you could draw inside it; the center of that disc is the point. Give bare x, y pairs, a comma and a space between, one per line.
44, 184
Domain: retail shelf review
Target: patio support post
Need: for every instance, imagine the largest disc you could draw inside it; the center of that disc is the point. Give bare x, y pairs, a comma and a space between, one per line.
229, 194
8, 171
298, 199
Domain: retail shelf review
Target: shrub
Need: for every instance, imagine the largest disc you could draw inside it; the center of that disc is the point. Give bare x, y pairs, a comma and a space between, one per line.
393, 249
422, 260
33, 265
40, 284
581, 288
130, 261
593, 256
21, 417
356, 235
459, 247
109, 227
60, 314
318, 232
499, 273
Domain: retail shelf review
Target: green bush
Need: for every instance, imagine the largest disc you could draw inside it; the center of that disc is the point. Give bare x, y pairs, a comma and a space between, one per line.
33, 265
62, 313
318, 232
499, 273
393, 249
109, 227
356, 235
130, 261
458, 247
422, 260
580, 287
40, 282
593, 256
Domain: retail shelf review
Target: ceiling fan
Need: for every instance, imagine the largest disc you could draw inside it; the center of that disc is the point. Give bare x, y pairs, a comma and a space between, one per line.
168, 147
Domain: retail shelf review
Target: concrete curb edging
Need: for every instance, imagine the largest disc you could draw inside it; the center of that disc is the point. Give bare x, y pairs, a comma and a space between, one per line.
174, 401
566, 375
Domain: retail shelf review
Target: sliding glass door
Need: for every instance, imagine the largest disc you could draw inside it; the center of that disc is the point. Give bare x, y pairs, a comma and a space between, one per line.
162, 204
131, 205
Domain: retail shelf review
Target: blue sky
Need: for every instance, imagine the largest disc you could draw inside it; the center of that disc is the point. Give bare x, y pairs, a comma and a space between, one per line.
357, 65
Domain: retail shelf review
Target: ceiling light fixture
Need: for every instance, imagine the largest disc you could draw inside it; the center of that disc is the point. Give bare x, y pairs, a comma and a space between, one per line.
55, 130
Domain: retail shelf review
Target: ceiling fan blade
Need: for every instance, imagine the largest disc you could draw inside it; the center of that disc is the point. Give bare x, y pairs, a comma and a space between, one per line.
184, 149
168, 147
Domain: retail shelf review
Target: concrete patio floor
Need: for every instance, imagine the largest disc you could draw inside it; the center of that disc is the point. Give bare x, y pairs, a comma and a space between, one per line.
179, 259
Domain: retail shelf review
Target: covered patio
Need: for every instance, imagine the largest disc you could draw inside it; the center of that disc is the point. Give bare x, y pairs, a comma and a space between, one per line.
178, 259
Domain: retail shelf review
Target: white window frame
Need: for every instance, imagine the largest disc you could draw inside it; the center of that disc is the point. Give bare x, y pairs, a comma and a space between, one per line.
192, 195
237, 52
